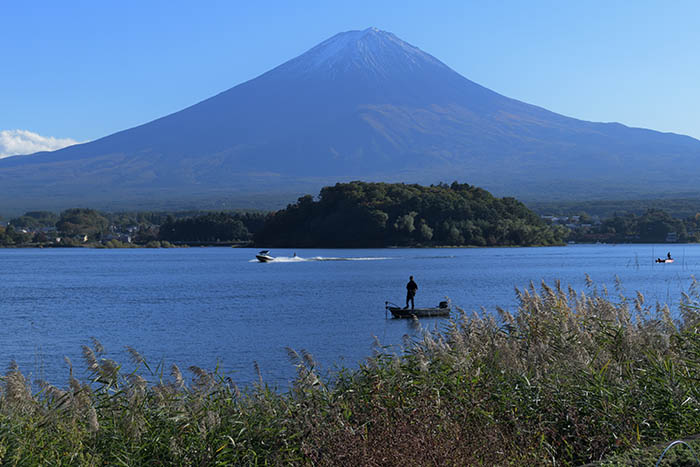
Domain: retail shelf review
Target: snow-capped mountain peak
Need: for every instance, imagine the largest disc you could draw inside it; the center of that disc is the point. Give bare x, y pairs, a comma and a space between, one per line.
370, 49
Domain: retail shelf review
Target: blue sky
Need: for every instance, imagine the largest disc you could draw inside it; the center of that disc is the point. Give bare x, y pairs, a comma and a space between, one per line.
85, 69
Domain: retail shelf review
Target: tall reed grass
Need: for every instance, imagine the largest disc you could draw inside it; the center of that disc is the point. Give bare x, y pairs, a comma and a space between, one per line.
571, 378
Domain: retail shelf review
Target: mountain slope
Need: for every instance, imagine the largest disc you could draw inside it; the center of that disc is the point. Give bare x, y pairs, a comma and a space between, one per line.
360, 105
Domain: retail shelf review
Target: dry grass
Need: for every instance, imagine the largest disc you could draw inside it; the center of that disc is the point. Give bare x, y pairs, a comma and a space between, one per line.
571, 378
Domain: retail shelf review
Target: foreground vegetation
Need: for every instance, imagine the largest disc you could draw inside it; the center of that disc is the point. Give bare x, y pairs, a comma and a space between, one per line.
572, 378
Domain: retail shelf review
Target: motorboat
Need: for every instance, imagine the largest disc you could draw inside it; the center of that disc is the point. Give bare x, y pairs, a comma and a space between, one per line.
264, 256
443, 309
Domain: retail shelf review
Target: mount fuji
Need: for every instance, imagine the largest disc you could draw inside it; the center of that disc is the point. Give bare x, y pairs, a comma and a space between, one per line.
360, 105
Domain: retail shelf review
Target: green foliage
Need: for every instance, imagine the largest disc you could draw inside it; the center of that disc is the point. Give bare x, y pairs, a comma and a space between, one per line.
685, 454
142, 227
9, 236
359, 214
212, 227
69, 242
651, 227
159, 244
79, 221
35, 220
117, 244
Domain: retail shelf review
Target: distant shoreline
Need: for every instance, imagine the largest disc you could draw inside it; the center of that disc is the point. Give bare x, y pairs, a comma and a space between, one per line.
252, 246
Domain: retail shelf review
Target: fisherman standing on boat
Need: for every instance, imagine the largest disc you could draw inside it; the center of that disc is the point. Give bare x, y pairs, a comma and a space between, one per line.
411, 288
668, 255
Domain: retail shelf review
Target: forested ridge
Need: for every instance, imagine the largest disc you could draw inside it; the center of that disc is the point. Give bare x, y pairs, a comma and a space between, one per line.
356, 214
360, 214
88, 227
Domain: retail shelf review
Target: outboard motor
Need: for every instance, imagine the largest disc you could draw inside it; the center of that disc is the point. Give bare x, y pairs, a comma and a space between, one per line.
443, 304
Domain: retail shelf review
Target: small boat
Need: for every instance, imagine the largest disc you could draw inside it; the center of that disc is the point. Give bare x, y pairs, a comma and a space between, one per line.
667, 260
443, 309
264, 256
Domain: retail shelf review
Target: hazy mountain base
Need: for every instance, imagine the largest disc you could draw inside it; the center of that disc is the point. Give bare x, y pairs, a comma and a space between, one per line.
572, 378
688, 206
274, 191
162, 200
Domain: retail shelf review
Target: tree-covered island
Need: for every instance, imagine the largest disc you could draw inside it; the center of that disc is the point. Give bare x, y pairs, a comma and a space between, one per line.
360, 214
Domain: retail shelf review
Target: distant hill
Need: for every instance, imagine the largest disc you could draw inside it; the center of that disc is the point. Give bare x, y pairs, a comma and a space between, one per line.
360, 105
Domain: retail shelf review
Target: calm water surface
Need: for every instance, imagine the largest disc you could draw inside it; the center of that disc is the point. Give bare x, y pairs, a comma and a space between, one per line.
200, 306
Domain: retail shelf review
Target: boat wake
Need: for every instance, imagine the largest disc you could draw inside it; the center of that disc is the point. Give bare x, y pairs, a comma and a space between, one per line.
364, 258
299, 259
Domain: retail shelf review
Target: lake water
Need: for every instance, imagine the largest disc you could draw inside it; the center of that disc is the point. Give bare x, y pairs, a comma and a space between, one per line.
203, 306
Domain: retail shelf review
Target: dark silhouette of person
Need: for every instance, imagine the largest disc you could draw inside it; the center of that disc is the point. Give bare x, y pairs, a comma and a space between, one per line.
668, 255
411, 288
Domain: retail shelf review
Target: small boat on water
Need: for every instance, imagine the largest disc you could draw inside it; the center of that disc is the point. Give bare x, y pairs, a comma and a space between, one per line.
264, 256
443, 309
667, 260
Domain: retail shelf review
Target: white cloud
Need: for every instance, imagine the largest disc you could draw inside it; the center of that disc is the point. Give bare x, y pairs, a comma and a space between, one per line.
16, 142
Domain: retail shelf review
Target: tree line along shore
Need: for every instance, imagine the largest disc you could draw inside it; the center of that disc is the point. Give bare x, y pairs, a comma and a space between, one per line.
347, 215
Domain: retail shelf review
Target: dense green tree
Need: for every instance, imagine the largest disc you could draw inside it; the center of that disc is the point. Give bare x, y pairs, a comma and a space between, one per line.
9, 236
426, 232
212, 227
35, 220
651, 227
40, 237
79, 221
655, 225
146, 234
5, 239
360, 214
